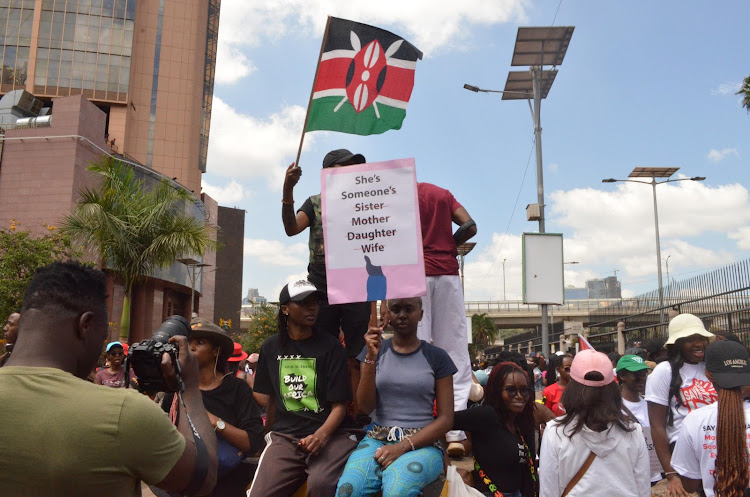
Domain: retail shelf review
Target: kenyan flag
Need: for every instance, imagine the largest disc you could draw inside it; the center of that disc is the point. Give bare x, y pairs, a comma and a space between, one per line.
364, 80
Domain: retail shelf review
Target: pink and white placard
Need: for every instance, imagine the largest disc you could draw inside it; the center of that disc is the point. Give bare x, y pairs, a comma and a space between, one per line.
373, 238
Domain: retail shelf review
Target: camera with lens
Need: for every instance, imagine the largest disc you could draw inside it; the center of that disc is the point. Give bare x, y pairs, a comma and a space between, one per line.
145, 356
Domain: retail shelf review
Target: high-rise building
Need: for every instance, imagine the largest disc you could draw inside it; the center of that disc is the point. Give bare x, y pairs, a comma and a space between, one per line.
607, 288
149, 65
126, 78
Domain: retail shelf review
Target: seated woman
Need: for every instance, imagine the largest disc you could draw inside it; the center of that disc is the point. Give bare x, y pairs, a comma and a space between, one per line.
229, 402
303, 376
502, 433
400, 380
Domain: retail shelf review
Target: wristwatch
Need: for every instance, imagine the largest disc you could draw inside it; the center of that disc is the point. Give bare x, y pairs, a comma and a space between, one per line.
220, 425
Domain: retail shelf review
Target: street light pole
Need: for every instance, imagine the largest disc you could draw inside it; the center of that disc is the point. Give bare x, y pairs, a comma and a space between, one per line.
504, 297
653, 173
535, 48
658, 252
667, 262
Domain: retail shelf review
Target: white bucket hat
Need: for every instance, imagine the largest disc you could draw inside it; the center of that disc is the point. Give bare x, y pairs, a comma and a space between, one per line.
685, 325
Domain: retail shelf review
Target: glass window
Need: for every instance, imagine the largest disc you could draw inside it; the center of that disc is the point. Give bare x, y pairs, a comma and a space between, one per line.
47, 4
108, 7
22, 65
27, 19
120, 8
14, 22
4, 3
66, 71
77, 69
9, 64
3, 19
130, 11
16, 4
52, 72
84, 6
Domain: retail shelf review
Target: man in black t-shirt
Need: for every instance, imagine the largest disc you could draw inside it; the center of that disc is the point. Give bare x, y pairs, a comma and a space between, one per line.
351, 318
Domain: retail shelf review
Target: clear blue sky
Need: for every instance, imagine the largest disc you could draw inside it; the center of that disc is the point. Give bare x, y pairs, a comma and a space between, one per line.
643, 84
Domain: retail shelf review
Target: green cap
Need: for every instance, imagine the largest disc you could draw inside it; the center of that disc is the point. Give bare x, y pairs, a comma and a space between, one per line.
631, 363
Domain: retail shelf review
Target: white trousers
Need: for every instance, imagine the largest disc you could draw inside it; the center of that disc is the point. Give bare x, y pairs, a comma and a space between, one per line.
444, 324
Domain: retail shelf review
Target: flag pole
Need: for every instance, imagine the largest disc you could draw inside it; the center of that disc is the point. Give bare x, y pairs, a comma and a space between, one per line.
312, 91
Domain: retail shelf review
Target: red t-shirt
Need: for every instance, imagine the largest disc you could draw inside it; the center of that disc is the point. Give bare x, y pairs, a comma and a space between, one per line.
436, 208
552, 395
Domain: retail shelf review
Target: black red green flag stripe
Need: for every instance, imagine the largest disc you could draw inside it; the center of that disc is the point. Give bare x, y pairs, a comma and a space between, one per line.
364, 81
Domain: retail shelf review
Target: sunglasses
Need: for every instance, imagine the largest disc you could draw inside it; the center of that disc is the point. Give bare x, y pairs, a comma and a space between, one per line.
513, 391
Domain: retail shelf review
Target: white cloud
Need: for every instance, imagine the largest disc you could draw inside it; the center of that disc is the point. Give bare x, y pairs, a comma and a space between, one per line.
742, 235
719, 155
249, 24
614, 230
229, 194
553, 167
729, 88
423, 22
276, 253
245, 146
231, 65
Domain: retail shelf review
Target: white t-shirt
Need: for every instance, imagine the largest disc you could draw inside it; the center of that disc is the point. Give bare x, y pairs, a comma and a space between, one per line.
696, 391
640, 411
694, 455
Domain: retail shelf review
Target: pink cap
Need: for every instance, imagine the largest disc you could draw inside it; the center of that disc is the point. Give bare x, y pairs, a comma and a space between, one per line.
587, 361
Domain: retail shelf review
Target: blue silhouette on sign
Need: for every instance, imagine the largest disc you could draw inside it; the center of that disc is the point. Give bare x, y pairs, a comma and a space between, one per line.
377, 284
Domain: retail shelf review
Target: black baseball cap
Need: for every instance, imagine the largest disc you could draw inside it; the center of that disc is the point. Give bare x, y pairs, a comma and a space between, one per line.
342, 156
728, 363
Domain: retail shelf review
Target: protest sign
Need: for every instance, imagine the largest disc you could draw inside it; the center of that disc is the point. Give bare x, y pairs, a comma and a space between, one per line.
373, 239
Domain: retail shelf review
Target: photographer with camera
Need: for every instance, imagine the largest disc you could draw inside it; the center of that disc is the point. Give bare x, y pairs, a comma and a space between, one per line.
67, 437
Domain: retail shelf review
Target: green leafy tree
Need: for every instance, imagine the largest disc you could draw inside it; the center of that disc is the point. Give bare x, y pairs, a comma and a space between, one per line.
745, 92
483, 333
135, 230
20, 255
262, 325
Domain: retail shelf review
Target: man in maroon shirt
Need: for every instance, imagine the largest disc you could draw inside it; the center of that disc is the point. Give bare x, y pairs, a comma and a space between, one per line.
444, 321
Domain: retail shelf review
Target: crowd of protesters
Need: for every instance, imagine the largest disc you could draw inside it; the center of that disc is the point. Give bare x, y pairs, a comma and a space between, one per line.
366, 416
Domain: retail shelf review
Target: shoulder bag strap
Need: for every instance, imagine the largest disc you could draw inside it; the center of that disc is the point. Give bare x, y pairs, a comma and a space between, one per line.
577, 477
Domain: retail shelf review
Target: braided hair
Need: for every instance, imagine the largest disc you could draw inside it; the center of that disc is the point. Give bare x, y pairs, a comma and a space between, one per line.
731, 472
676, 361
283, 325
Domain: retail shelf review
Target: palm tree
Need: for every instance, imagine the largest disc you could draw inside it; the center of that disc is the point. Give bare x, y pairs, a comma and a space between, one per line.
483, 331
745, 92
135, 230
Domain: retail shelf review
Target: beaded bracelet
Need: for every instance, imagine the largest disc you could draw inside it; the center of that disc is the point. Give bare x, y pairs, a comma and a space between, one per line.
408, 439
370, 361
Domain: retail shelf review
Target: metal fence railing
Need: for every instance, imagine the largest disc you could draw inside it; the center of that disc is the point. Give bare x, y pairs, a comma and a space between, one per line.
721, 297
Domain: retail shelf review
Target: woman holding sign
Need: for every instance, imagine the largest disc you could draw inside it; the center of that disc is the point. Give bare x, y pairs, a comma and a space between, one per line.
401, 453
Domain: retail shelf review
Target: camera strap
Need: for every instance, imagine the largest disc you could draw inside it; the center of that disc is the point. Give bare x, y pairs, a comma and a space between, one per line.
200, 471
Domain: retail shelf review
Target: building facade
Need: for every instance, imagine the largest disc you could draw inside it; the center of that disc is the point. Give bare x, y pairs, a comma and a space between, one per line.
149, 65
607, 288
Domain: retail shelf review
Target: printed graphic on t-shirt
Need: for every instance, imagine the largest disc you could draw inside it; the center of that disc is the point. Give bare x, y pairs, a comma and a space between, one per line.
698, 394
521, 453
297, 381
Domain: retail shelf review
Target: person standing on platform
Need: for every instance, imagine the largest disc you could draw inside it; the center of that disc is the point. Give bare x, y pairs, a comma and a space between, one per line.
350, 318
